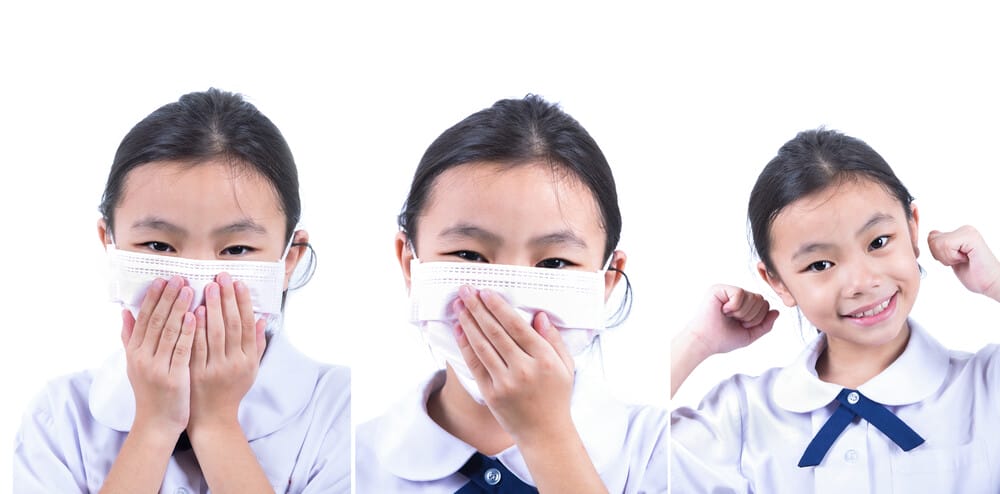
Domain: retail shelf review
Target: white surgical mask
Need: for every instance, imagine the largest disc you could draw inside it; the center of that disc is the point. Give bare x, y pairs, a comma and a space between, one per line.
573, 300
131, 274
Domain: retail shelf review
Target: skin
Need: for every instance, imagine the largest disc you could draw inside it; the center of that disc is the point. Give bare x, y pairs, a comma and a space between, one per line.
189, 370
837, 253
528, 215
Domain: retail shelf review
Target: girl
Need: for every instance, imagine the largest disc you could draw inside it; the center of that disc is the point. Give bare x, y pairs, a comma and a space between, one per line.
508, 248
874, 404
198, 219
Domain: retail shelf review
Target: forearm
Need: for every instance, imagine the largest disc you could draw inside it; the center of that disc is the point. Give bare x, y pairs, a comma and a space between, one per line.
559, 463
686, 353
141, 463
227, 462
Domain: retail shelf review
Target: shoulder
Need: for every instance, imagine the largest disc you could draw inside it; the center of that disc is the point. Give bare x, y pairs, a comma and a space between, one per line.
62, 397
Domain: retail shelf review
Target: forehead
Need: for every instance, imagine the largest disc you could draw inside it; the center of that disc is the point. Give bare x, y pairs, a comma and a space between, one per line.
490, 191
833, 214
183, 192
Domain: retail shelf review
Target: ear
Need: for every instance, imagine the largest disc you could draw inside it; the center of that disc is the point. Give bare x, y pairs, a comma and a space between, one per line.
913, 225
776, 284
295, 254
103, 233
611, 277
404, 255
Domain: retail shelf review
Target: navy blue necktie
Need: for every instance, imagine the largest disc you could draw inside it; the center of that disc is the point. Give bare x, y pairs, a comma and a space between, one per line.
487, 475
854, 404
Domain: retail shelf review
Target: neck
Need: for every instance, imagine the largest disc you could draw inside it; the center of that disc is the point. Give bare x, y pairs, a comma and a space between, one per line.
850, 364
455, 411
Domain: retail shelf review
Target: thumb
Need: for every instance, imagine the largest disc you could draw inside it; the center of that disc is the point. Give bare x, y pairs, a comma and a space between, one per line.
261, 339
128, 325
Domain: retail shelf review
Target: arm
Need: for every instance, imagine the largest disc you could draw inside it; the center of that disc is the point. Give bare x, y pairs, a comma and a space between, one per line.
158, 349
526, 377
729, 318
966, 252
228, 346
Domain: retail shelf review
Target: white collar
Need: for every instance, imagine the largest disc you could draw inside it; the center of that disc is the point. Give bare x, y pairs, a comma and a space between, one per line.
283, 387
414, 447
913, 376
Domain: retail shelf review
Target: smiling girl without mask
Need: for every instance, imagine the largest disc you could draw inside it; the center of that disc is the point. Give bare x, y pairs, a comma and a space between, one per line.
508, 247
199, 217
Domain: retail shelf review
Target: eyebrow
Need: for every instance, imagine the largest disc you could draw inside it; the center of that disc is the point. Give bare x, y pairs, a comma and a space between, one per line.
472, 231
875, 220
159, 224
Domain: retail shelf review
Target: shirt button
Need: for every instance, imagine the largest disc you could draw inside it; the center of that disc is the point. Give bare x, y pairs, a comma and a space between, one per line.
492, 476
853, 397
851, 456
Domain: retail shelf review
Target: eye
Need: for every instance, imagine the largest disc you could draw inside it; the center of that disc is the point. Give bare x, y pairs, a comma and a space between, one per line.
879, 242
819, 266
553, 263
468, 255
158, 246
237, 250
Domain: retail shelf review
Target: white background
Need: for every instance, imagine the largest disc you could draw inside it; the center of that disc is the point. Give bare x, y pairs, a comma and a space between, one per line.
688, 104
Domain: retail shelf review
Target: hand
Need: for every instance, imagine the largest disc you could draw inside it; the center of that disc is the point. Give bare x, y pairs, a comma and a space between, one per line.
158, 351
522, 369
228, 346
730, 318
965, 251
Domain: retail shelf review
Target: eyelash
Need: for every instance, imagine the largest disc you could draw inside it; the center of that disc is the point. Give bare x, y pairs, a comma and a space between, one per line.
550, 263
240, 250
814, 267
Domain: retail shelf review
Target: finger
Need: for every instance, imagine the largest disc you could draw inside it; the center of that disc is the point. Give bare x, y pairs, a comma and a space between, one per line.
128, 327
550, 334
756, 316
476, 367
146, 309
248, 342
172, 328
181, 357
729, 297
230, 314
199, 345
749, 304
215, 331
764, 327
512, 336
478, 342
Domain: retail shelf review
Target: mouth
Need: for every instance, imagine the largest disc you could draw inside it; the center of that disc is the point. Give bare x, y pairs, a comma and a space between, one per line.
874, 313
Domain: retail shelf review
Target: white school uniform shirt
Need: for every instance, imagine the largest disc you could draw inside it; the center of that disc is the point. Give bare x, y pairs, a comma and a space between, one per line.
405, 451
296, 417
749, 433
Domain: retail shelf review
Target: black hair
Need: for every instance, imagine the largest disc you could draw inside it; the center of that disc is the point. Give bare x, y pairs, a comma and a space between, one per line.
515, 132
810, 162
202, 126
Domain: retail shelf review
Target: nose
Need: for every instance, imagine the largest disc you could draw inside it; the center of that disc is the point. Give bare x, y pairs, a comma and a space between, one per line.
859, 276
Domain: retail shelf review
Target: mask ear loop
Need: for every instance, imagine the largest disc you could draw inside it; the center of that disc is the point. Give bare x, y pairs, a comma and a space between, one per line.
306, 273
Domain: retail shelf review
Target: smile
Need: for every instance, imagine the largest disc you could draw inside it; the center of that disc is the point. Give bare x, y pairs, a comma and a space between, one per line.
874, 310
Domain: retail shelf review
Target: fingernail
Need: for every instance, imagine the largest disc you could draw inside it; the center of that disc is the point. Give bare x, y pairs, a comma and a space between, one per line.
223, 278
212, 290
465, 292
458, 330
239, 285
546, 323
175, 282
485, 294
159, 283
458, 305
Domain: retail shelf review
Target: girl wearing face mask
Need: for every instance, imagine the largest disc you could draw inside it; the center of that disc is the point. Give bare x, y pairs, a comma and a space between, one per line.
508, 247
199, 220
874, 404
